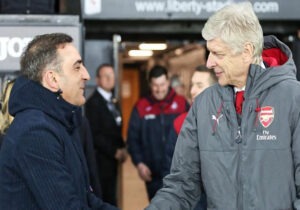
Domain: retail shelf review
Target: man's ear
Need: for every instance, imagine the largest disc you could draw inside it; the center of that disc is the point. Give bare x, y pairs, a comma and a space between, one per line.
50, 80
248, 52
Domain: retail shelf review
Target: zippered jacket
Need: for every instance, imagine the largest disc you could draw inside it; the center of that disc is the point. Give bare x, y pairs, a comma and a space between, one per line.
42, 164
254, 166
149, 126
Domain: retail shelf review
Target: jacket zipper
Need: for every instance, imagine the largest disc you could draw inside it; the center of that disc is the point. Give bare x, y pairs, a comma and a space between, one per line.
240, 186
162, 122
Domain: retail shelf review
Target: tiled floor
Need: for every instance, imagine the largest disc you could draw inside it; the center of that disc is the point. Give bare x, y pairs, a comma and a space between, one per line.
133, 189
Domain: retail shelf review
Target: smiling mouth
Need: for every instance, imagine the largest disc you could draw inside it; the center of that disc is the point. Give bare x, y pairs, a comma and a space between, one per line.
218, 74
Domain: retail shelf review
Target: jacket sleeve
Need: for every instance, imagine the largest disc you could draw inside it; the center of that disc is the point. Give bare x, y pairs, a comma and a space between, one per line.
181, 187
98, 204
134, 137
296, 156
40, 159
89, 152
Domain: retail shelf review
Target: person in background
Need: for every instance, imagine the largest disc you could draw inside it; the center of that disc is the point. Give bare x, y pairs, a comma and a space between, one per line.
201, 79
104, 115
241, 138
177, 84
5, 118
42, 165
150, 122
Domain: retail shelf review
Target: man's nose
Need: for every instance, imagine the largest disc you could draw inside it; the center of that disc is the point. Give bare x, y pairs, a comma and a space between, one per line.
192, 91
210, 63
85, 74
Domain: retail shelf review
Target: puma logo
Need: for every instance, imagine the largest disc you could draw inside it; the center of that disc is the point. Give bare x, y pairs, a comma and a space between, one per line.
217, 118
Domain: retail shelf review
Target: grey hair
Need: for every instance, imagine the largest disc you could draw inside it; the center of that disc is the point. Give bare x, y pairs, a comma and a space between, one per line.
41, 53
236, 24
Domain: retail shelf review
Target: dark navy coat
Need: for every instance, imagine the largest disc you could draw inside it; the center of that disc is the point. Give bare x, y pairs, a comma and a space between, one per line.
42, 165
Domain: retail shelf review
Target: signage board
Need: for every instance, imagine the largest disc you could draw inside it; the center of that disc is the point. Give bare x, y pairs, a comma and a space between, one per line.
15, 36
182, 9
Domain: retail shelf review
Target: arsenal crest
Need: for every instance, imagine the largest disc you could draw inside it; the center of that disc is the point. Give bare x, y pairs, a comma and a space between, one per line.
266, 116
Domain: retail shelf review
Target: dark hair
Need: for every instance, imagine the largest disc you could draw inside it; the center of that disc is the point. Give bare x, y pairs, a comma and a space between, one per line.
102, 66
157, 71
40, 53
203, 68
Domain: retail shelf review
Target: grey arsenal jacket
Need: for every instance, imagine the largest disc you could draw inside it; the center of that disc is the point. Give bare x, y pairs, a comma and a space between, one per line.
254, 166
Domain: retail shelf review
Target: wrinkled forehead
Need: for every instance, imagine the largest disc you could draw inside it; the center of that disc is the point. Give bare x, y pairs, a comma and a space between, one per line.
68, 52
217, 45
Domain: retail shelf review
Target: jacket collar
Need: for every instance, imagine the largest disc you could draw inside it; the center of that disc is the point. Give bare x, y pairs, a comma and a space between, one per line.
27, 94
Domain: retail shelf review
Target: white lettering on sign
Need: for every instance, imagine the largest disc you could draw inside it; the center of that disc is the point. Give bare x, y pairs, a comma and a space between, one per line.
12, 46
266, 7
197, 6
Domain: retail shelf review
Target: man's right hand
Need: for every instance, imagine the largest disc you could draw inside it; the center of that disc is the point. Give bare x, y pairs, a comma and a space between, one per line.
144, 172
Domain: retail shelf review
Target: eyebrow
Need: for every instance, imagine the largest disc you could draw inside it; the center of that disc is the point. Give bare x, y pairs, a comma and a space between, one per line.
78, 62
198, 83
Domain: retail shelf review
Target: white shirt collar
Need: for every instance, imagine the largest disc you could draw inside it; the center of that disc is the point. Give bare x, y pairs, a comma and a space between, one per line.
262, 65
106, 95
239, 89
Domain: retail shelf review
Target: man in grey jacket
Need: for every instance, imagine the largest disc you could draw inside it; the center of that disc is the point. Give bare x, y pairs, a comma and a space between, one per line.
248, 159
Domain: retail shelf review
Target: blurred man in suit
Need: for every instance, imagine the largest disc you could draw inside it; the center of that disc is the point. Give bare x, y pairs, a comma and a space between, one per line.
104, 115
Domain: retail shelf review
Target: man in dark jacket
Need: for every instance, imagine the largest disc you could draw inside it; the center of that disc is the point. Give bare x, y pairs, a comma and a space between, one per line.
42, 165
104, 115
150, 123
245, 155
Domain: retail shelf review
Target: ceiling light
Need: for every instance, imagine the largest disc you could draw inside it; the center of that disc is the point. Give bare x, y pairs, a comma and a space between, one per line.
153, 46
140, 53
178, 51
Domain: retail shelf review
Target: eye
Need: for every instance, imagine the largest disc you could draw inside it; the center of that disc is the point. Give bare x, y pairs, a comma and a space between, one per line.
77, 67
218, 54
199, 85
